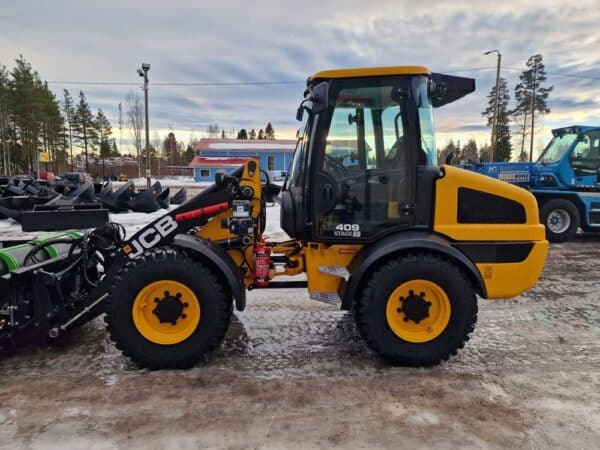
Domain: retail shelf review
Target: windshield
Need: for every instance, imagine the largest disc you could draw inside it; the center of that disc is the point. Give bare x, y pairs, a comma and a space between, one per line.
557, 147
420, 88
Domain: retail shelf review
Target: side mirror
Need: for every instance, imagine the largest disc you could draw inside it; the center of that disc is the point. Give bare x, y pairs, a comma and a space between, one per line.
320, 97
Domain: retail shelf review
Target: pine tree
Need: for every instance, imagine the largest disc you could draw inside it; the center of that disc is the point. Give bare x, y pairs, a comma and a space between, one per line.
532, 96
470, 152
223, 134
84, 129
5, 131
252, 134
503, 146
242, 134
484, 152
450, 148
269, 131
69, 112
104, 130
261, 134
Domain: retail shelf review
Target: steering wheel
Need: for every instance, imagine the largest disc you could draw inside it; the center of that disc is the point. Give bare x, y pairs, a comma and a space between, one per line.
335, 167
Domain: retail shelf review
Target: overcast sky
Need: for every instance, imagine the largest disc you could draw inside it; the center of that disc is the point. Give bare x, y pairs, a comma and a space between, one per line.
277, 40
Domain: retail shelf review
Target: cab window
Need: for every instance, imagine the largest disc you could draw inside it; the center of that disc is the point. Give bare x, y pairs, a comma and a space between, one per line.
364, 182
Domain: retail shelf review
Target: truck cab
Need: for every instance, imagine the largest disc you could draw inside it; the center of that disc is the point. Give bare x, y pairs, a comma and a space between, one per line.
564, 180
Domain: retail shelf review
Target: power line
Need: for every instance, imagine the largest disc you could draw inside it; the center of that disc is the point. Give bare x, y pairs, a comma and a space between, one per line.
182, 83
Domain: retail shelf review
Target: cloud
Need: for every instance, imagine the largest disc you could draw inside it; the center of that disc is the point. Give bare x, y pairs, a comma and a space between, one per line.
228, 41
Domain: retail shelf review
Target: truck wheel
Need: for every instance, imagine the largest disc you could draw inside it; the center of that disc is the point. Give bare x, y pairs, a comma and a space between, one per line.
417, 310
561, 219
167, 311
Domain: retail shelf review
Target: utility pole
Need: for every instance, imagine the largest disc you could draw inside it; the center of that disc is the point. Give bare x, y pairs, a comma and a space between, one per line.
143, 72
533, 109
495, 118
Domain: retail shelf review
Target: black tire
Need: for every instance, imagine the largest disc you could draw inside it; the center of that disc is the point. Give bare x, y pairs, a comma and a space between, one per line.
559, 209
370, 310
167, 264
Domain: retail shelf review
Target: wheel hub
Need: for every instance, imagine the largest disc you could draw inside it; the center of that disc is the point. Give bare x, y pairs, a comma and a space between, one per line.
170, 308
558, 221
415, 307
418, 311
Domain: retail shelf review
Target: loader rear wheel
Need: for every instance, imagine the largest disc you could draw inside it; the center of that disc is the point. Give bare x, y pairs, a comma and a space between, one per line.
417, 310
167, 311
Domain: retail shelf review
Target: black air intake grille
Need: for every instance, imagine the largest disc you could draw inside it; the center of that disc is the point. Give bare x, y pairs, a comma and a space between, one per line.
481, 207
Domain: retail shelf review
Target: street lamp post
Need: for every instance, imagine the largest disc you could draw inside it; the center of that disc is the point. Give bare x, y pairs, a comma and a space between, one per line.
143, 72
495, 118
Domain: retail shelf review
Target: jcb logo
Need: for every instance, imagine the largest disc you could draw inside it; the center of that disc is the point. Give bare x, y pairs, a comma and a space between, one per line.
150, 237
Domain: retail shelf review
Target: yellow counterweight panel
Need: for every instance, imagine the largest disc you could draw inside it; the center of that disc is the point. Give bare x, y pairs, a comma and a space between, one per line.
446, 209
505, 280
316, 255
501, 280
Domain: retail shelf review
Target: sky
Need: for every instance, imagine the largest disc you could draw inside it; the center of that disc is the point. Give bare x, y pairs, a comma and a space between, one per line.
280, 41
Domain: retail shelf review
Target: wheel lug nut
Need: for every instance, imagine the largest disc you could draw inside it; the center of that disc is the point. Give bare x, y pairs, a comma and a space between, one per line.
422, 294
406, 319
178, 295
399, 310
156, 300
183, 316
411, 292
185, 304
167, 294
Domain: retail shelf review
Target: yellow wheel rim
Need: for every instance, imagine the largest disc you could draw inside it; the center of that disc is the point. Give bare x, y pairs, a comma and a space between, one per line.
166, 312
418, 311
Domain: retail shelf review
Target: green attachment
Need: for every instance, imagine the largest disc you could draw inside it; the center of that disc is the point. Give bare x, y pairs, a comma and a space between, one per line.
12, 258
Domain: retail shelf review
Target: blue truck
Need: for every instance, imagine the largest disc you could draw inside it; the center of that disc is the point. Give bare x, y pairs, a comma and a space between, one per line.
564, 180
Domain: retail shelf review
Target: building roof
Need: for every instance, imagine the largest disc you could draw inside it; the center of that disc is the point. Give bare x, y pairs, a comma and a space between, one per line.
212, 162
245, 145
371, 72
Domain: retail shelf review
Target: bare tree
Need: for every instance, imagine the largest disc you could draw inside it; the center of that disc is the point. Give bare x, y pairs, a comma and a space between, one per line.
213, 131
135, 118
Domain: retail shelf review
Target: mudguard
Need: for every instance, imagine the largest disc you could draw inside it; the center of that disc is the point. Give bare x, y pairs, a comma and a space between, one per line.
221, 261
389, 246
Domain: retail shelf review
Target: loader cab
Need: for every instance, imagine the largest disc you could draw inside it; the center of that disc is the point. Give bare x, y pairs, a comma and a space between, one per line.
364, 132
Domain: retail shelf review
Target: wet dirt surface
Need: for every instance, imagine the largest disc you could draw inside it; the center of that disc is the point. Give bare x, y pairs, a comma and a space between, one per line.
294, 373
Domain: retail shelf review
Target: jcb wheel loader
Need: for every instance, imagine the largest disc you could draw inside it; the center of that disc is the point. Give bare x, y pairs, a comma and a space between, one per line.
374, 225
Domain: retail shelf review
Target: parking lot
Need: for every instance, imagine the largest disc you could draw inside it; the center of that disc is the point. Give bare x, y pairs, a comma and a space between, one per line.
294, 373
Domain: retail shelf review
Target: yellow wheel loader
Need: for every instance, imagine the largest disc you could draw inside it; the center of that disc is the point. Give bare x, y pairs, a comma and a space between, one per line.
375, 225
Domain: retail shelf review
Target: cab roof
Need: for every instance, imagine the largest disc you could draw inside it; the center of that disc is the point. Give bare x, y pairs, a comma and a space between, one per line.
574, 129
370, 72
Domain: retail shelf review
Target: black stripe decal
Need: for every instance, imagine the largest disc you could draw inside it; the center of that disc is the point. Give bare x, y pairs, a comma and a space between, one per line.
495, 252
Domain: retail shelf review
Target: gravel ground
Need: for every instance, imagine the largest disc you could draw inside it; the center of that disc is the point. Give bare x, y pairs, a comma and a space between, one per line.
293, 373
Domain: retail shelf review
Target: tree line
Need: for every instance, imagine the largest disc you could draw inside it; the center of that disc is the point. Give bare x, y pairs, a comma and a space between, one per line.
531, 102
32, 119
213, 131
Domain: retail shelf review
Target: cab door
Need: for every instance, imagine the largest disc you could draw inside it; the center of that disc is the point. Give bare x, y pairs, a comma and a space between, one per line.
363, 184
585, 159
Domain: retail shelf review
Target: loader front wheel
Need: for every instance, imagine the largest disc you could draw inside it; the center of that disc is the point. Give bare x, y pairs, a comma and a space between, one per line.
417, 310
167, 311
